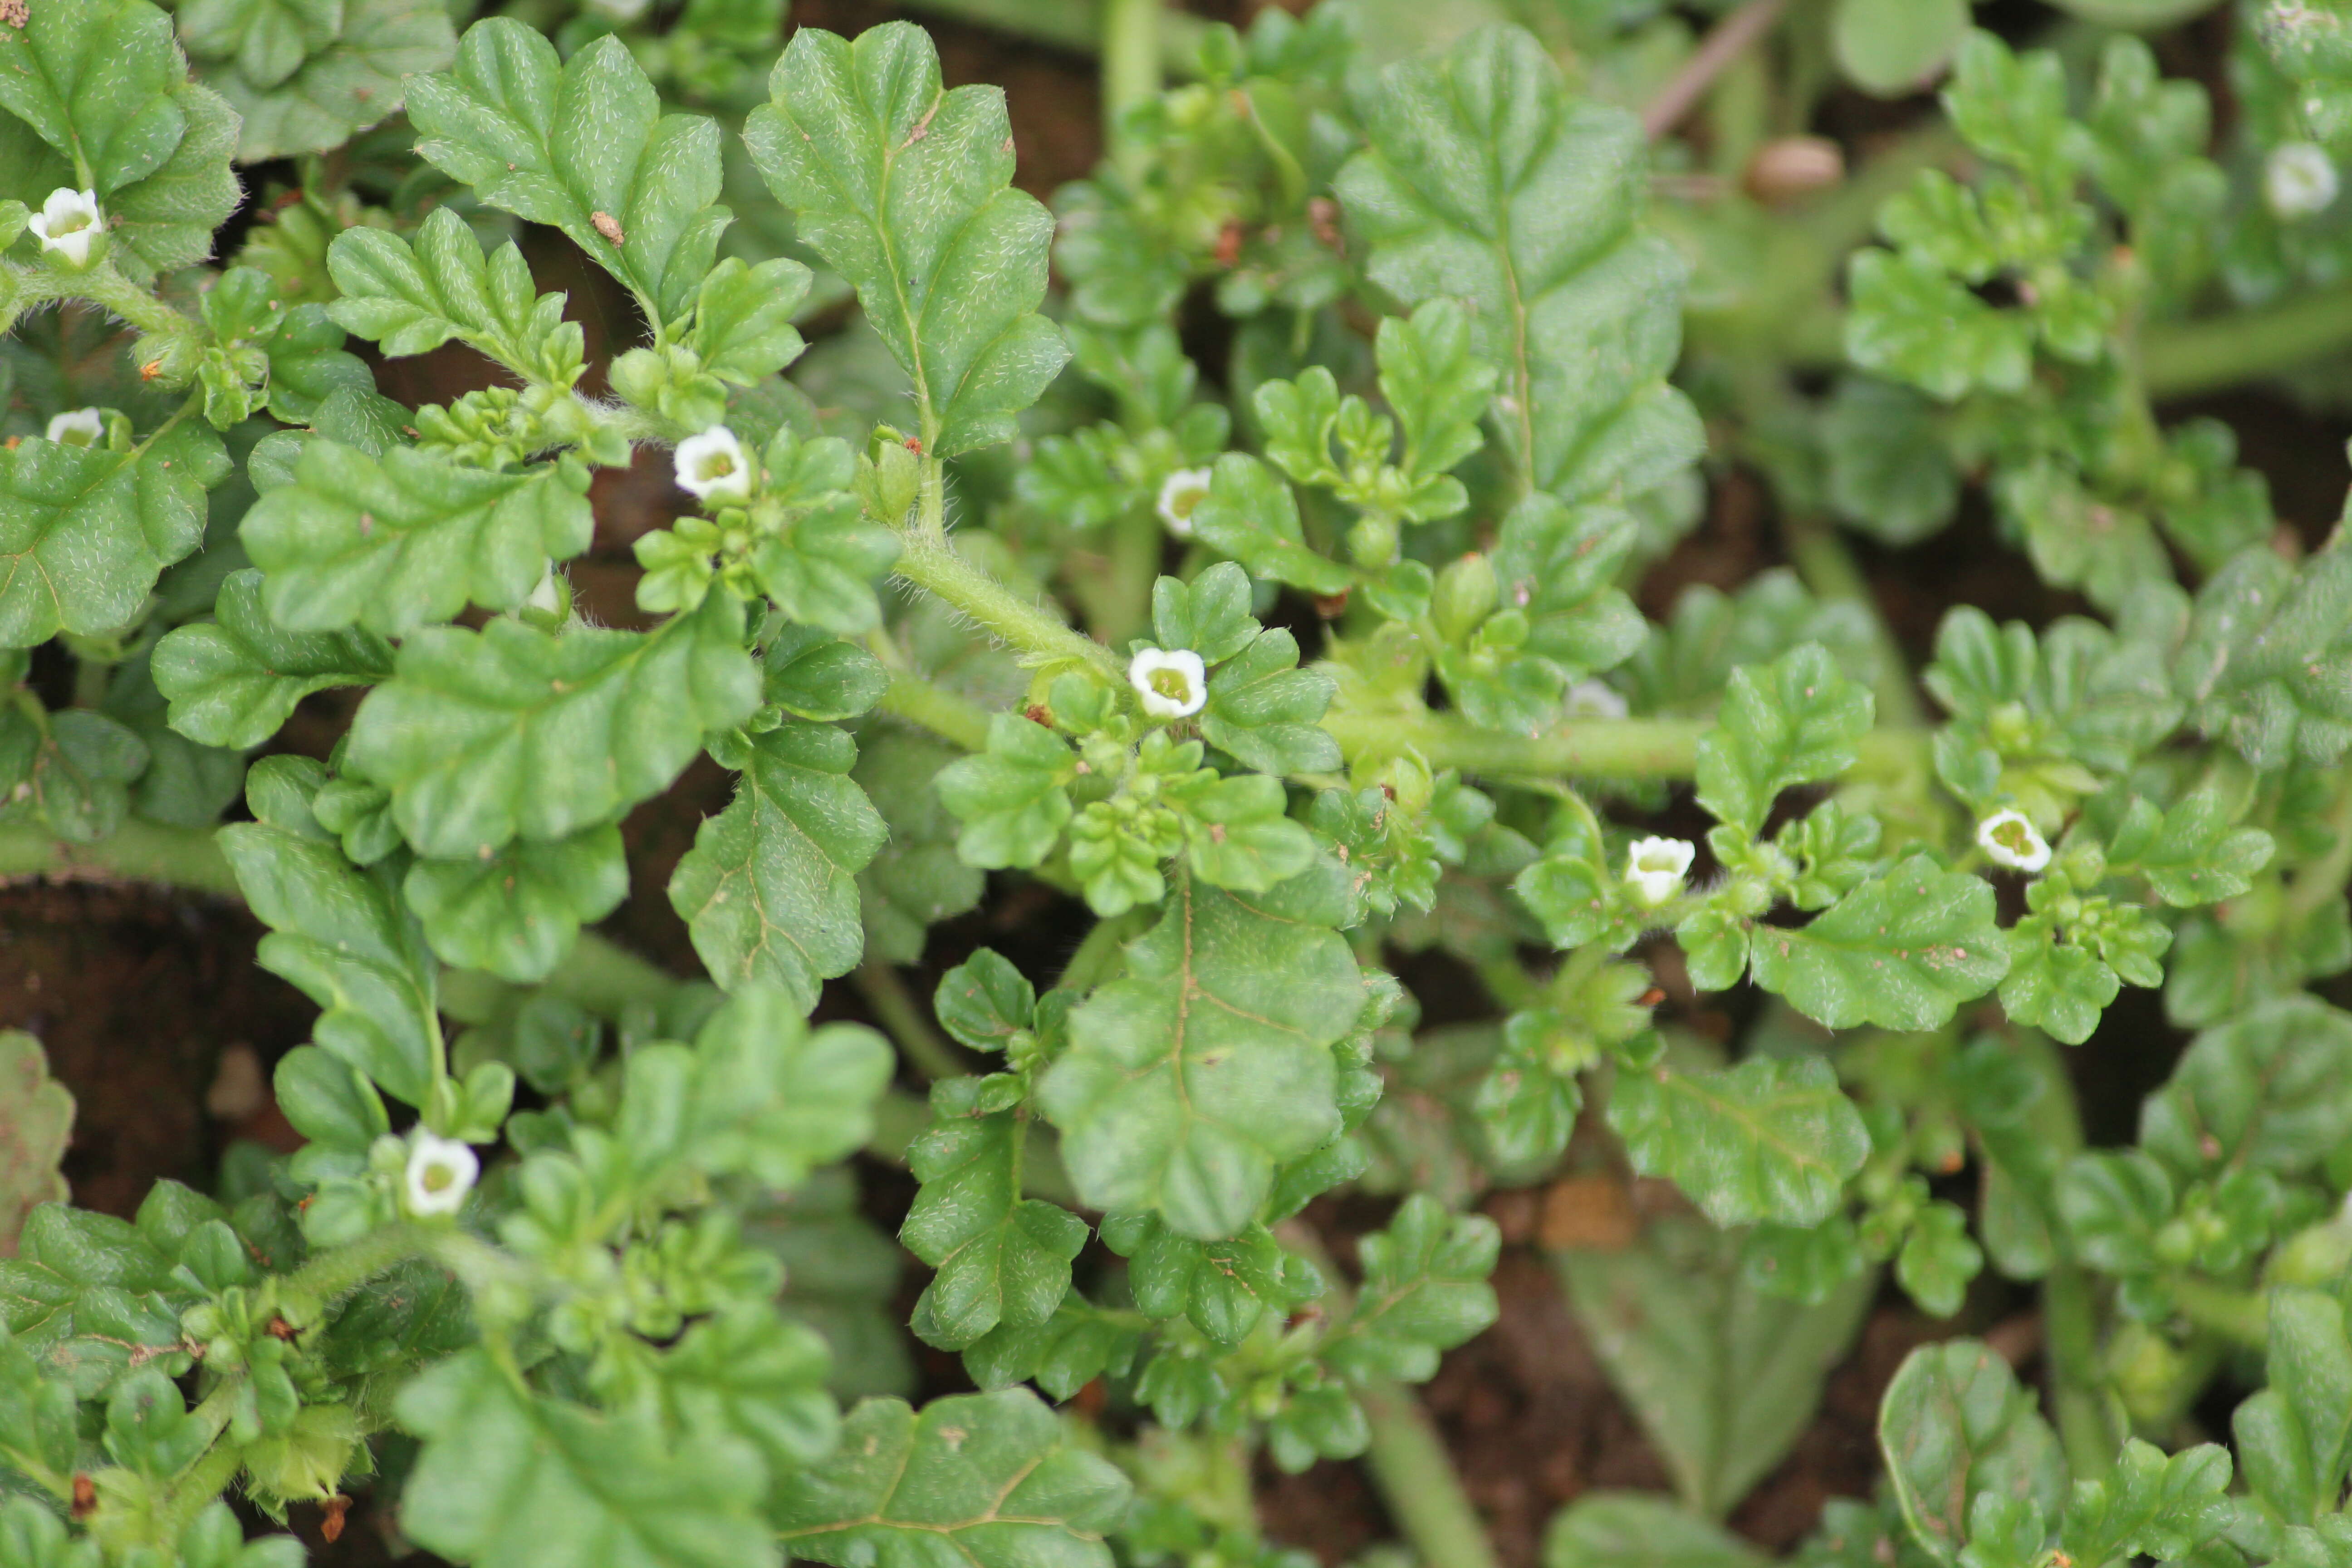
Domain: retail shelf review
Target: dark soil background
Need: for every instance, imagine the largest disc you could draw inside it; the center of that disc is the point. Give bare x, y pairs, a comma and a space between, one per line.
154, 1016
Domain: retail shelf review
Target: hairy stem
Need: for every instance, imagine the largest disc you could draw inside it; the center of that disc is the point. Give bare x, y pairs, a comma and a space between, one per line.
933, 566
197, 1488
935, 708
138, 851
340, 1271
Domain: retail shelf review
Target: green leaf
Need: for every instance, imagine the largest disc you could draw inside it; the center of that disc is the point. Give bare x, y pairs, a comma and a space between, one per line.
1424, 1292
1190, 1079
1251, 515
1890, 470
2190, 855
986, 1476
1796, 721
1724, 1377
1013, 799
79, 780
1639, 1529
1893, 48
2269, 1090
770, 889
775, 1098
328, 1100
1486, 182
342, 937
35, 1119
985, 1002
1002, 1259
1559, 565
2267, 664
102, 83
510, 731
411, 297
2150, 1505
1437, 385
1914, 322
396, 542
1772, 1139
235, 680
2294, 1438
743, 329
1955, 1426
1938, 1259
1224, 1289
1902, 950
515, 1477
304, 76
573, 142
2112, 1204
820, 568
905, 191
86, 531
917, 879
1269, 712
812, 675
517, 913
1210, 615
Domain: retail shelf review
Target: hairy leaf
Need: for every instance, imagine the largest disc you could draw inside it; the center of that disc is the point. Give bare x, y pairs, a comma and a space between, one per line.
1902, 950
1773, 1138
1002, 1259
233, 682
905, 191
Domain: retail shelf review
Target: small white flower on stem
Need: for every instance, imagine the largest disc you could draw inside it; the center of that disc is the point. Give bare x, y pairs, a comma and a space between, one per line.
712, 468
441, 1172
78, 427
1173, 684
67, 222
2008, 836
1594, 699
2299, 181
1178, 494
1655, 868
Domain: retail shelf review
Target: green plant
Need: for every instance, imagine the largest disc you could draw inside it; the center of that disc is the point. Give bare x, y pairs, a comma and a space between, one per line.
570, 1262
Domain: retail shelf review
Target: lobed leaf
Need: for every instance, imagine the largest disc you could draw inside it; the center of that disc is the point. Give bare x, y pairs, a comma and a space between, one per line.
1772, 1139
235, 680
1902, 950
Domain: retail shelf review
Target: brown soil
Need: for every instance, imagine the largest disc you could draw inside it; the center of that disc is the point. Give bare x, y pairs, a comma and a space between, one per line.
139, 996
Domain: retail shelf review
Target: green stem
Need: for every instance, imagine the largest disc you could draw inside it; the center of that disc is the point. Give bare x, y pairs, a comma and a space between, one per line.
340, 1271
109, 290
937, 709
932, 564
2181, 359
1074, 24
2241, 1317
902, 1019
1130, 70
1599, 748
1417, 1480
198, 1486
2322, 882
137, 851
2070, 1311
1099, 952
1829, 568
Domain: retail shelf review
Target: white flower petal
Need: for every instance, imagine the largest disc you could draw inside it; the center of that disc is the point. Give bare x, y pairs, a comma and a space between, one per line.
1655, 868
1178, 494
1178, 698
712, 468
2299, 181
67, 222
1594, 699
87, 424
441, 1172
2011, 839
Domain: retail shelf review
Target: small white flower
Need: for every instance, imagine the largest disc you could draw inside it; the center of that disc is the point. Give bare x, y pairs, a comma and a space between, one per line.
78, 427
441, 1172
712, 466
66, 223
1594, 700
1656, 867
2298, 181
1178, 494
1173, 685
2008, 836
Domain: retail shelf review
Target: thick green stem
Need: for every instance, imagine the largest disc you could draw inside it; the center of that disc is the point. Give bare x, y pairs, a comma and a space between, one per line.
198, 1484
902, 1019
940, 710
1130, 70
1599, 748
933, 566
2181, 359
1417, 1480
2241, 1317
340, 1271
2070, 1331
137, 851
